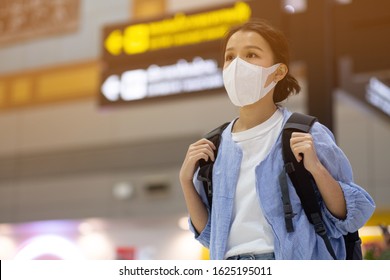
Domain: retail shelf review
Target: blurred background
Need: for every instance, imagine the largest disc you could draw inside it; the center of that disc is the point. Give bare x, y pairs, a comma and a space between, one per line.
99, 101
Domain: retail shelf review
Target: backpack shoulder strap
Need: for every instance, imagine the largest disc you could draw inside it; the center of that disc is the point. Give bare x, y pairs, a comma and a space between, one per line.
304, 186
300, 122
205, 173
300, 177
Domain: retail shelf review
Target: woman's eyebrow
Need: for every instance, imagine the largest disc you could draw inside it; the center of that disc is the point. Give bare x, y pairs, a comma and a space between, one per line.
253, 47
247, 47
229, 49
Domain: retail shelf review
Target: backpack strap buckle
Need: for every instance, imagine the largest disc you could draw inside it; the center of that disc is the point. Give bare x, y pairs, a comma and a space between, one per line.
287, 207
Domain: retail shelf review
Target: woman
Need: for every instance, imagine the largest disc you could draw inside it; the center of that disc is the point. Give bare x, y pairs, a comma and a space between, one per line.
247, 220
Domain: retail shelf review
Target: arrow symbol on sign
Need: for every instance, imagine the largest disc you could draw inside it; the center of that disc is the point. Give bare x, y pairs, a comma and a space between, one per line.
114, 42
111, 88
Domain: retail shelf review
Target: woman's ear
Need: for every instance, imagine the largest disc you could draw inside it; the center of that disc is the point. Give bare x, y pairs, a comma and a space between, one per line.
281, 72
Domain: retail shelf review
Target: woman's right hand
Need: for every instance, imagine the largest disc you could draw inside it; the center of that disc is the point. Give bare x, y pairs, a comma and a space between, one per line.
201, 149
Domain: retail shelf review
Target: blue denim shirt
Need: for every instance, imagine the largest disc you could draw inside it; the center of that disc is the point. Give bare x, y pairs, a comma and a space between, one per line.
303, 243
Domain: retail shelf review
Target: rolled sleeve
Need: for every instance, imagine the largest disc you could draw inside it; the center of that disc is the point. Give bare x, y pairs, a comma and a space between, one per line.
204, 236
360, 205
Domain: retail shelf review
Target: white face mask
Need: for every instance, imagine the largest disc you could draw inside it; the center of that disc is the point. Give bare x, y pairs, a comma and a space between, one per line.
244, 82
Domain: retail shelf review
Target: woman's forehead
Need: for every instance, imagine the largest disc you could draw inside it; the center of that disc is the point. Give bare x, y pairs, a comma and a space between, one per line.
244, 38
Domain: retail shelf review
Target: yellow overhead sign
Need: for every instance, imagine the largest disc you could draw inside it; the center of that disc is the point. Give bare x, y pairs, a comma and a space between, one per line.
180, 30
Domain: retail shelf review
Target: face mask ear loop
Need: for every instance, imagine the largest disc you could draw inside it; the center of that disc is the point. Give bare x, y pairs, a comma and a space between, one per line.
272, 84
266, 90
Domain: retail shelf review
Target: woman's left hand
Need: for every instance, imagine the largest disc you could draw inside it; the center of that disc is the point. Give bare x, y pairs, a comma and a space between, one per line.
302, 146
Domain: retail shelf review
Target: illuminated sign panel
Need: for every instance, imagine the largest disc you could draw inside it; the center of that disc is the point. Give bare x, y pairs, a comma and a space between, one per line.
180, 30
178, 55
182, 77
371, 88
378, 94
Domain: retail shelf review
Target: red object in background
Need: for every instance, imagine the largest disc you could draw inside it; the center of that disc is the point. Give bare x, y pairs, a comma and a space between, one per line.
125, 253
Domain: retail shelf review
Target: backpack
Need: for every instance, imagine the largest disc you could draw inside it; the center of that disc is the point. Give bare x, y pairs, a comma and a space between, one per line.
302, 180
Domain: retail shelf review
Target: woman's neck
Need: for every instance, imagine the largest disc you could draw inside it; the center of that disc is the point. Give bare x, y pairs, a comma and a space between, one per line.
253, 115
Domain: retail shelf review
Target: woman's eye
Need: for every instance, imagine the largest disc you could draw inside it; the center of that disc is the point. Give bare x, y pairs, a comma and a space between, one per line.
251, 55
228, 58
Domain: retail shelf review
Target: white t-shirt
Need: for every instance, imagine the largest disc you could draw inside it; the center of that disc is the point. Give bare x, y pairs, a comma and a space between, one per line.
250, 232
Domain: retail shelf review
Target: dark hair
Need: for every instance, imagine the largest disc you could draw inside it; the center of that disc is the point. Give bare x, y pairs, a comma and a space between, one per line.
278, 43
